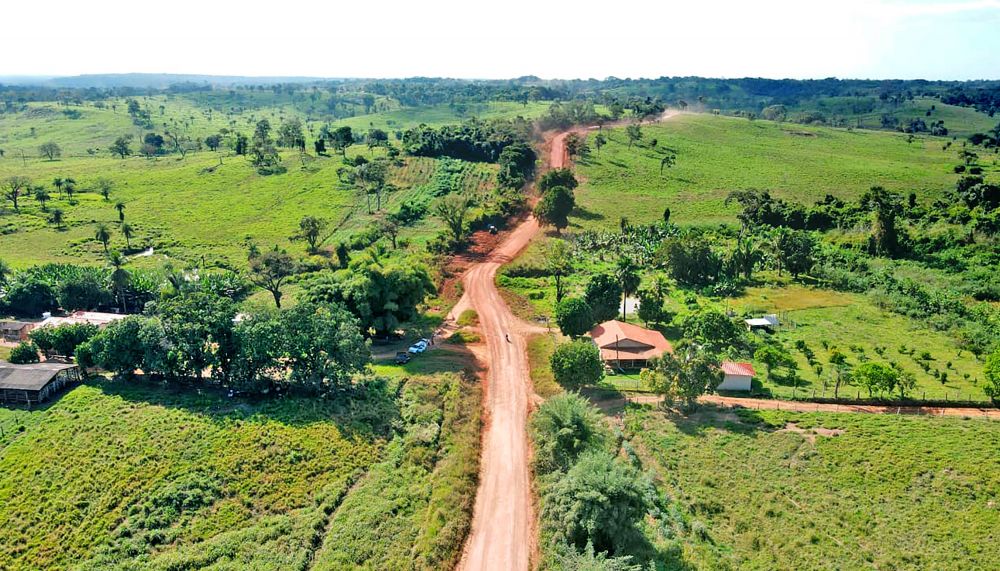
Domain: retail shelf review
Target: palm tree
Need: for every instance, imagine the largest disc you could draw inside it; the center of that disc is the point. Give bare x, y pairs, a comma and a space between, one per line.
103, 235
58, 183
627, 273
119, 277
42, 196
104, 187
128, 232
69, 187
57, 217
120, 207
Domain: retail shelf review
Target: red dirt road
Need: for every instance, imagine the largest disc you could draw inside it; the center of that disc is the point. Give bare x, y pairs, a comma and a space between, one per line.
502, 522
502, 535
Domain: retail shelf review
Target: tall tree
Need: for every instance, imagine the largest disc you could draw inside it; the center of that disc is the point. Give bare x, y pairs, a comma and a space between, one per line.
599, 141
50, 150
577, 364
42, 196
885, 205
667, 161
602, 294
120, 207
452, 210
311, 231
342, 138
119, 278
574, 316
685, 374
14, 187
57, 217
128, 232
627, 272
554, 207
557, 177
559, 263
269, 270
121, 146
104, 186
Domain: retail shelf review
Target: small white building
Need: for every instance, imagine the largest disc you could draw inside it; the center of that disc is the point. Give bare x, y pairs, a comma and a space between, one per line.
769, 322
738, 376
92, 317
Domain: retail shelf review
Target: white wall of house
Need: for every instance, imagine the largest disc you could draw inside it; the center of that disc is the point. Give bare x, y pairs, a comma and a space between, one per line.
735, 383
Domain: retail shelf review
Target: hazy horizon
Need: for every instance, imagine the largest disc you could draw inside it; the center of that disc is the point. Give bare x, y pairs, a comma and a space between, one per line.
780, 39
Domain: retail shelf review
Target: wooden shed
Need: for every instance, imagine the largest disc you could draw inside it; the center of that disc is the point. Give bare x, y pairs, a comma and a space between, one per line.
34, 383
15, 331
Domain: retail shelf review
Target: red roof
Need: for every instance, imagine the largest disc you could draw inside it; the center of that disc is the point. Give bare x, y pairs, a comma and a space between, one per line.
620, 340
734, 368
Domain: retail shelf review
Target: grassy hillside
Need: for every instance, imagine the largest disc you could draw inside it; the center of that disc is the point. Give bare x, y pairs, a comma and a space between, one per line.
196, 208
716, 155
774, 490
117, 476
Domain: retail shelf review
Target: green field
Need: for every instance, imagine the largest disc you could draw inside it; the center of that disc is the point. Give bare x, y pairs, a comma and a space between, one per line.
716, 155
773, 490
196, 209
858, 328
116, 475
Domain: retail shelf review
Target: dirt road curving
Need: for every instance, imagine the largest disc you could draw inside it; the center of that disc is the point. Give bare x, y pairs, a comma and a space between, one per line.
502, 535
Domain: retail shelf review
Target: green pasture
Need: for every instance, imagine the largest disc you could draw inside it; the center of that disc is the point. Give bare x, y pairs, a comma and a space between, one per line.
857, 327
716, 155
776, 490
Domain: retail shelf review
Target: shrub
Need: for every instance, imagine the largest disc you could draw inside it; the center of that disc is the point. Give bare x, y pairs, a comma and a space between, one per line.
563, 428
598, 501
25, 352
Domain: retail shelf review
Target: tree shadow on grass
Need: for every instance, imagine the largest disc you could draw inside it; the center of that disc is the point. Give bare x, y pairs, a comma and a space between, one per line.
366, 411
584, 214
713, 417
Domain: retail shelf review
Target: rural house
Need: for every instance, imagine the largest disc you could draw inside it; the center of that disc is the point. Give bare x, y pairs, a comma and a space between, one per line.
627, 346
738, 376
34, 383
15, 331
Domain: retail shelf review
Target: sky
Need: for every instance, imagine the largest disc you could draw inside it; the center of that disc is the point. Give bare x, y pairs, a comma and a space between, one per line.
906, 39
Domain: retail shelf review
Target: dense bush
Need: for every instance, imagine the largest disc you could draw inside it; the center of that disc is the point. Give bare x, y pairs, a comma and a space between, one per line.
472, 141
577, 364
598, 501
24, 353
563, 428
64, 339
